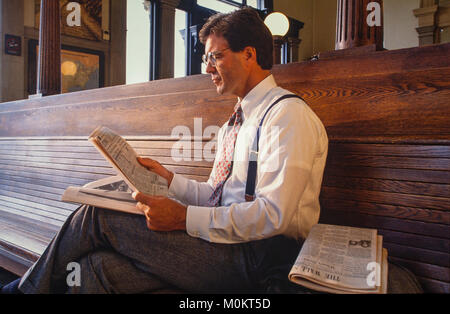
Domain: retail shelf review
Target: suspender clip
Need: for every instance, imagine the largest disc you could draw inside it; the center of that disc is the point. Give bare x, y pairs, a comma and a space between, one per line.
253, 155
249, 198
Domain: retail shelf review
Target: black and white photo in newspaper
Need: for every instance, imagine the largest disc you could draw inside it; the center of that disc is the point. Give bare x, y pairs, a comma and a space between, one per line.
338, 257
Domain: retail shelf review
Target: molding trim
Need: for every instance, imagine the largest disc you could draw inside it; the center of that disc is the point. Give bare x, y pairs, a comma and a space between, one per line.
432, 16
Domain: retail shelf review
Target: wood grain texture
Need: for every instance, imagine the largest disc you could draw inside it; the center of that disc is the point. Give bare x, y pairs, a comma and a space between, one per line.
427, 176
386, 115
49, 69
384, 210
385, 62
406, 187
354, 217
401, 92
388, 198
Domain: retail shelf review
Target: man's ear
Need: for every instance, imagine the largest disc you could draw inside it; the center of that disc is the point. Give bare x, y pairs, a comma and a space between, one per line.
250, 53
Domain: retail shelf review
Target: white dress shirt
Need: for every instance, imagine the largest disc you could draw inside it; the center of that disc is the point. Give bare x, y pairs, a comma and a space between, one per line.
291, 160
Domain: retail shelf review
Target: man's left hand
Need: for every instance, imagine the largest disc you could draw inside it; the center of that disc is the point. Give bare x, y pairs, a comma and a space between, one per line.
162, 213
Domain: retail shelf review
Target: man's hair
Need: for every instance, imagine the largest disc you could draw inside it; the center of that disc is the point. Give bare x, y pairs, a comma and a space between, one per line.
242, 28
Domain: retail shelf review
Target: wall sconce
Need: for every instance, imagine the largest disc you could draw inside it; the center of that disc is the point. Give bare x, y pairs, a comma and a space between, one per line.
278, 24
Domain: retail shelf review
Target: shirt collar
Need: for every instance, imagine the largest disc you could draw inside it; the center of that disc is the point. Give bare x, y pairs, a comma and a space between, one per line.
251, 101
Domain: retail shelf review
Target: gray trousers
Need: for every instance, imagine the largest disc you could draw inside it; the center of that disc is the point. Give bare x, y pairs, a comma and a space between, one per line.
116, 253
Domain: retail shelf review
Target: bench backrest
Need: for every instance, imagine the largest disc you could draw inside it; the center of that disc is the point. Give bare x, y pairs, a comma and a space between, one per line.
386, 114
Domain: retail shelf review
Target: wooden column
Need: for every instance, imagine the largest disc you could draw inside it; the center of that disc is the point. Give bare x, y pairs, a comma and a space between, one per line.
293, 44
118, 38
352, 29
49, 62
162, 19
277, 44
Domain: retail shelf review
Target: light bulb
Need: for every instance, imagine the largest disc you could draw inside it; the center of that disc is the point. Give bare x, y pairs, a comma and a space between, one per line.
278, 23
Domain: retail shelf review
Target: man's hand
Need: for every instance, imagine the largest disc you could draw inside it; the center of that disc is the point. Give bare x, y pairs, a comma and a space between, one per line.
162, 213
157, 168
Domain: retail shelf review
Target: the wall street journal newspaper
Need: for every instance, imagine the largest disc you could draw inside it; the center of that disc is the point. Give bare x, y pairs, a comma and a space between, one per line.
342, 259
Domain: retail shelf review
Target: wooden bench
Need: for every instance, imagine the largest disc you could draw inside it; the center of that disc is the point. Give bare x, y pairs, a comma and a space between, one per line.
387, 118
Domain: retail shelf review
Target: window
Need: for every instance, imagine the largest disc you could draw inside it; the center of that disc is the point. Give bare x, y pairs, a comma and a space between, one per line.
180, 43
225, 6
253, 3
217, 5
138, 43
190, 15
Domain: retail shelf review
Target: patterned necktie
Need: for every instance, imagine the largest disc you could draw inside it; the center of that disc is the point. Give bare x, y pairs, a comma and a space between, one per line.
222, 168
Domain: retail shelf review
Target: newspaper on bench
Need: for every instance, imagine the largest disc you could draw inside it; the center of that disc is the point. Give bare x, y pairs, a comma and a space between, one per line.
342, 259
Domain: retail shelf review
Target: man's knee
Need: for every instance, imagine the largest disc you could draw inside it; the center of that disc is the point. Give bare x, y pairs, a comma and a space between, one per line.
83, 275
88, 213
82, 211
105, 271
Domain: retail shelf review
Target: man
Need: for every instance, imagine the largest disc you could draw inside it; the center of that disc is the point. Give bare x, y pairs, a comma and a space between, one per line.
215, 239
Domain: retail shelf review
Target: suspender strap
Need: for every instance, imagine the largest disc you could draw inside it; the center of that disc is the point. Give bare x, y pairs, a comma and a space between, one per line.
253, 158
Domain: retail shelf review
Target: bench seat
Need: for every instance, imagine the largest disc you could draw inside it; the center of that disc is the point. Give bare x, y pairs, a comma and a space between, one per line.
386, 115
34, 172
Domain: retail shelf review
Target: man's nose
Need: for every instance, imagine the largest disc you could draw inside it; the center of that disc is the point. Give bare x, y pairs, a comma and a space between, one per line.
209, 68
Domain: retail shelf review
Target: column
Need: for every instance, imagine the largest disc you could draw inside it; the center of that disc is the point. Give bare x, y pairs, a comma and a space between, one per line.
162, 23
352, 28
426, 15
118, 39
277, 45
293, 44
49, 61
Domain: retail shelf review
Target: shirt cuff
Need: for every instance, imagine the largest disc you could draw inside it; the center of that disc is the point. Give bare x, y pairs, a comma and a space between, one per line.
197, 221
177, 186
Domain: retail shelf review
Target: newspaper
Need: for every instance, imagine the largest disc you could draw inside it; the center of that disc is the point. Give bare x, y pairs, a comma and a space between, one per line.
341, 259
124, 159
112, 193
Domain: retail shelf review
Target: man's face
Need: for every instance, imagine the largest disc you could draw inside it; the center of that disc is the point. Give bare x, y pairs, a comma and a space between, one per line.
230, 73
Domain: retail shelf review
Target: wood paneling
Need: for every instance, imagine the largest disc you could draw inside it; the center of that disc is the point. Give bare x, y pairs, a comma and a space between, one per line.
35, 173
383, 93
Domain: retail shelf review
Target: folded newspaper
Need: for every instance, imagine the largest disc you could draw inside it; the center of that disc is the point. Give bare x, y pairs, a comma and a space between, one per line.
116, 192
340, 259
123, 158
112, 193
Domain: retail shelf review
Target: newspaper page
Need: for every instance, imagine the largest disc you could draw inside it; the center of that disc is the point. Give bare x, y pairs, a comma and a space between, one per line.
124, 159
114, 183
112, 193
338, 257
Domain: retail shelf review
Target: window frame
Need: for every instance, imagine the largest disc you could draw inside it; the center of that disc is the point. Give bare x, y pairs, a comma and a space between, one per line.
196, 17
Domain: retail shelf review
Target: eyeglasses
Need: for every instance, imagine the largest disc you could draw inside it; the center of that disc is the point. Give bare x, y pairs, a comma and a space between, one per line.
211, 57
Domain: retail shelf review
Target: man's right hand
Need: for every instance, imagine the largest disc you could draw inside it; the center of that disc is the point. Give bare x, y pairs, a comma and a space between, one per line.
157, 168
